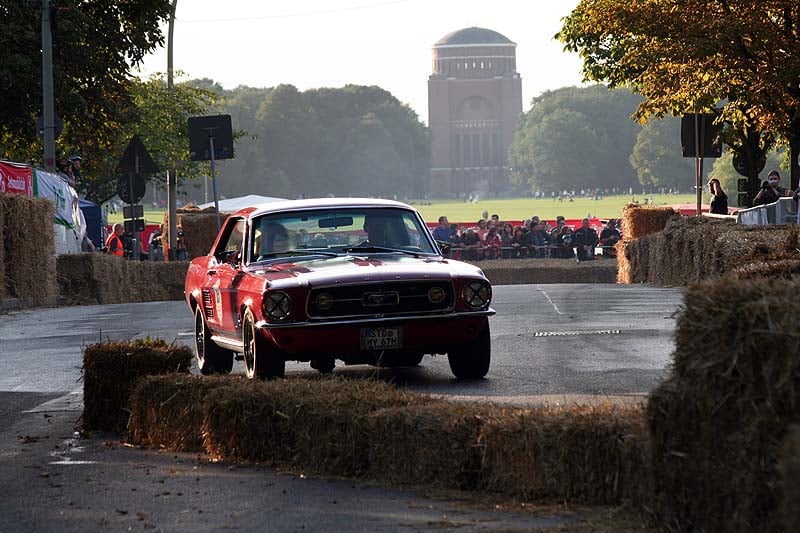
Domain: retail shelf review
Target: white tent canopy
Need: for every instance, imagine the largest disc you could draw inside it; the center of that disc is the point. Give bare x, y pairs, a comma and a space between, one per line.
230, 205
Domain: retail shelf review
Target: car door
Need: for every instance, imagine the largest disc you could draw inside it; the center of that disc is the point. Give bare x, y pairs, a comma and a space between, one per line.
223, 276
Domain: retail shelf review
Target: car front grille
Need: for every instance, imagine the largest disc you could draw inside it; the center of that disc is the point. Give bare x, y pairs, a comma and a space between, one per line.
392, 298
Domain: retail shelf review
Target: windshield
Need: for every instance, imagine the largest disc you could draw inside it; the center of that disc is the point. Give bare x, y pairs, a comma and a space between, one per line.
339, 231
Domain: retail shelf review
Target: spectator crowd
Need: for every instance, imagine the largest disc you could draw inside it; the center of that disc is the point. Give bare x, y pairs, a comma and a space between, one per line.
534, 238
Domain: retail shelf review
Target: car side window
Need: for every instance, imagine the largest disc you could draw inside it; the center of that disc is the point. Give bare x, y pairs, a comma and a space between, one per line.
232, 242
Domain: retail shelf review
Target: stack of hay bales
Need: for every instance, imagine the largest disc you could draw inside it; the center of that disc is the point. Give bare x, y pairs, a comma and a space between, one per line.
199, 228
591, 454
28, 269
111, 370
370, 429
718, 422
95, 278
692, 249
531, 271
638, 221
167, 411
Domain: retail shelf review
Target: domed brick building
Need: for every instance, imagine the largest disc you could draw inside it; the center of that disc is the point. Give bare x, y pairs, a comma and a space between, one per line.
474, 102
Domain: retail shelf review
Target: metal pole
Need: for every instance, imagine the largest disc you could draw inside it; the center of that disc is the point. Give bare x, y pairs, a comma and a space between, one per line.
698, 165
214, 180
48, 112
172, 179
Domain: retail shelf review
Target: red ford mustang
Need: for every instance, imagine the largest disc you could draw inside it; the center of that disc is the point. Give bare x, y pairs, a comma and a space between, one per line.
358, 280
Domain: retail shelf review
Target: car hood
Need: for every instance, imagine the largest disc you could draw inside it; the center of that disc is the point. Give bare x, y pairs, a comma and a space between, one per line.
362, 269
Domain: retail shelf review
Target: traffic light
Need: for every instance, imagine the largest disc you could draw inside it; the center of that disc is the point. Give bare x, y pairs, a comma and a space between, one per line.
741, 185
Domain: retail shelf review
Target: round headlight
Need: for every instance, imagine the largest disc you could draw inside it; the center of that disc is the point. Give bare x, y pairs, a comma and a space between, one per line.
324, 301
277, 305
436, 295
476, 294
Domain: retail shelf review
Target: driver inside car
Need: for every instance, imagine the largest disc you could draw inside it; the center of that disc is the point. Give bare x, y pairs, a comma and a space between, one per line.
274, 239
377, 230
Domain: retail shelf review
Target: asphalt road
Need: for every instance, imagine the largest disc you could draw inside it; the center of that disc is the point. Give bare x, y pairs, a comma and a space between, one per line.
557, 343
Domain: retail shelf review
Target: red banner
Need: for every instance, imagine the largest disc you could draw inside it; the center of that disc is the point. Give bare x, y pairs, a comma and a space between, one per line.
16, 178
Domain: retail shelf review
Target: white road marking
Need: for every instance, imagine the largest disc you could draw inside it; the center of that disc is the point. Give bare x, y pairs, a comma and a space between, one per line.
549, 300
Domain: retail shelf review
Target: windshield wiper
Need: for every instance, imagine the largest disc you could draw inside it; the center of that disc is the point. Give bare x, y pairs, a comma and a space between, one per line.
378, 249
296, 253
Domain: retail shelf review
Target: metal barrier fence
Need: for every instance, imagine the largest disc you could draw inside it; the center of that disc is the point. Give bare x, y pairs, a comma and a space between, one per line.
784, 211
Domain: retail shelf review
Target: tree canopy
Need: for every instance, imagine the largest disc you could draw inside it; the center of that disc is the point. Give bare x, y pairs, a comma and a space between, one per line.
695, 55
355, 140
95, 46
576, 138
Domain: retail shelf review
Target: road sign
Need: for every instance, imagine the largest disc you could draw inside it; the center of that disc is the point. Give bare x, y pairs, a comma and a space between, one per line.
709, 141
58, 123
133, 211
134, 226
203, 129
124, 185
741, 166
136, 159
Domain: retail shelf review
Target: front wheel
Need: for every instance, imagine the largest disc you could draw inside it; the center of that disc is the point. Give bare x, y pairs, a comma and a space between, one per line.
261, 359
211, 359
471, 360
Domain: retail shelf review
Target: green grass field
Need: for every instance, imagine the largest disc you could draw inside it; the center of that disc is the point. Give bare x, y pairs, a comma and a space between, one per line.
522, 208
507, 208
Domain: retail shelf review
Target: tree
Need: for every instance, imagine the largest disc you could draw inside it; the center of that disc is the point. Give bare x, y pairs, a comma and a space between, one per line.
692, 55
291, 134
161, 123
373, 167
579, 131
559, 152
92, 76
657, 156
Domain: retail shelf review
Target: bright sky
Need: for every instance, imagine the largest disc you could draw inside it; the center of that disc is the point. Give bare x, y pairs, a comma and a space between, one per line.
330, 43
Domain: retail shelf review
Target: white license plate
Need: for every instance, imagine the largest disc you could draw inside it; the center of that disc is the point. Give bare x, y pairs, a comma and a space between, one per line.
381, 338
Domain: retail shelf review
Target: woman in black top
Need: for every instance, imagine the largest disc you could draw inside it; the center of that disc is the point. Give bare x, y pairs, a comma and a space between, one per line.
719, 200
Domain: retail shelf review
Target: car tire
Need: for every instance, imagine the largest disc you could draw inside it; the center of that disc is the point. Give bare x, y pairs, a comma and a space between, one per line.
472, 360
261, 360
211, 359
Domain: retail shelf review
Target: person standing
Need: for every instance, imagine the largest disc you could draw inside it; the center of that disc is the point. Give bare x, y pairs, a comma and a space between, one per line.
114, 244
75, 161
771, 190
719, 200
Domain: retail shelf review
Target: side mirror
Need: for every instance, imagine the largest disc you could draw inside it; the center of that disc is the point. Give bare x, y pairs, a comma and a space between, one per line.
444, 247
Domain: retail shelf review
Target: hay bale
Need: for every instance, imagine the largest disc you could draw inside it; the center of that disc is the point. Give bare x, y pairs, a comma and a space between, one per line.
110, 371
588, 454
638, 221
435, 444
199, 229
789, 468
167, 410
692, 249
95, 278
624, 251
533, 271
735, 390
319, 425
29, 241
